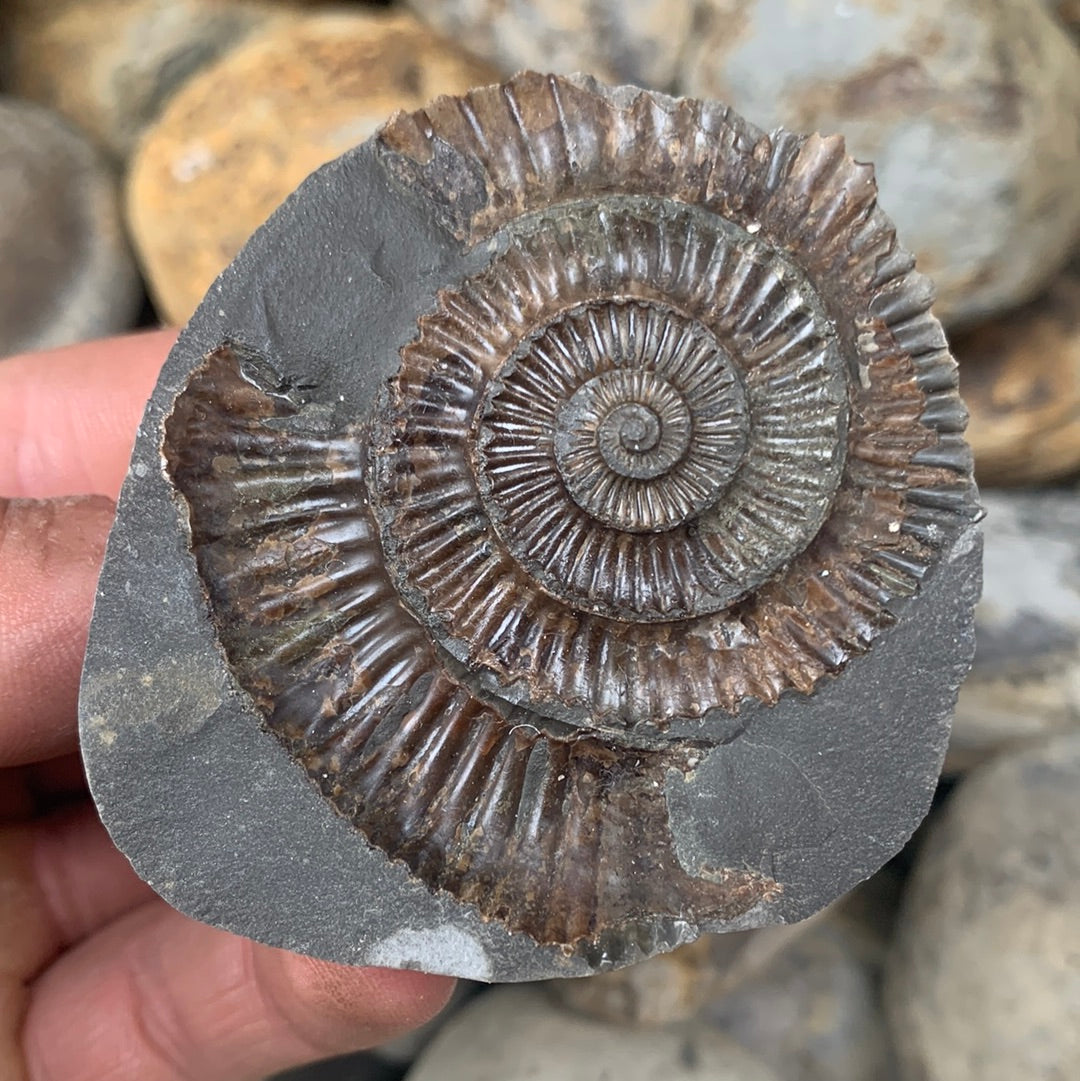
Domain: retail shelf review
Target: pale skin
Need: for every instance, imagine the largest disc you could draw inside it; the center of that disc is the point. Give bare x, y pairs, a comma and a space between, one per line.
99, 979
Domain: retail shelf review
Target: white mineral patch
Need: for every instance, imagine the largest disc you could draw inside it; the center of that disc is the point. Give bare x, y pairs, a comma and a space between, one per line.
439, 949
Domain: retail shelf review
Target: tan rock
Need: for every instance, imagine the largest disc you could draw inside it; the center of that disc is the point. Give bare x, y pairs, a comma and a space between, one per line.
1020, 377
111, 65
1068, 11
242, 134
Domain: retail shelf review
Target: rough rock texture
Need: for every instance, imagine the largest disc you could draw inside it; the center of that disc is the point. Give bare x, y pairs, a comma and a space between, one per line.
65, 270
814, 1013
261, 644
969, 112
111, 65
1020, 375
1025, 681
620, 41
518, 1034
984, 982
300, 94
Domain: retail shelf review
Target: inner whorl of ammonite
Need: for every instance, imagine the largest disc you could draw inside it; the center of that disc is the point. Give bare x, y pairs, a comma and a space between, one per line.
652, 434
637, 412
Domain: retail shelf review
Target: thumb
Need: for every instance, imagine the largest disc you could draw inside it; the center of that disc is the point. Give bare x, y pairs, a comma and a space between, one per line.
156, 996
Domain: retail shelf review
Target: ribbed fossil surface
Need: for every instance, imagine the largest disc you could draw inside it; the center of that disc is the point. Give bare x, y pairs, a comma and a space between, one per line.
687, 440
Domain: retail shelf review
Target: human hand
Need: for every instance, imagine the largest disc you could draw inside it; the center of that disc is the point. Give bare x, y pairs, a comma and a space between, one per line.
99, 979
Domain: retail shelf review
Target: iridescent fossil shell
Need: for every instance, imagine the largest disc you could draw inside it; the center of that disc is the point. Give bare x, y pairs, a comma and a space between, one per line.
672, 448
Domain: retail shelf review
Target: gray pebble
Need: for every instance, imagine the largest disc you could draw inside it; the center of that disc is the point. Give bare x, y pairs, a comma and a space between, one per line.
618, 41
815, 1013
984, 982
518, 1034
1025, 681
970, 113
66, 274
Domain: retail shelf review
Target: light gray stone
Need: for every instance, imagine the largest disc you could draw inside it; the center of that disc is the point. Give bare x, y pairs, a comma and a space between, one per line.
970, 113
518, 1034
814, 1013
1025, 682
620, 41
984, 982
66, 273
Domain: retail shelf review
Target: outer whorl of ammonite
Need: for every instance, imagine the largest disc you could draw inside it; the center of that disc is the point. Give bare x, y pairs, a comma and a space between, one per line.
569, 556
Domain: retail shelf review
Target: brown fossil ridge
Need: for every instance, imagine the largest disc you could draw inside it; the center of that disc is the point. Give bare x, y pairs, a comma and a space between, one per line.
686, 442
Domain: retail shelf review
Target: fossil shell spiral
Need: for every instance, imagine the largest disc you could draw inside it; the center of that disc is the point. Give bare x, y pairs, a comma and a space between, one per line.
568, 513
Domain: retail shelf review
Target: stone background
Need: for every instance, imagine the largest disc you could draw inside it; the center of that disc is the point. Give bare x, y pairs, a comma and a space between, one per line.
142, 141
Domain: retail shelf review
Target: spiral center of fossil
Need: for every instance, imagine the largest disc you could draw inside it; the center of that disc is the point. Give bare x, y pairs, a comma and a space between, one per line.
656, 434
634, 427
635, 423
630, 414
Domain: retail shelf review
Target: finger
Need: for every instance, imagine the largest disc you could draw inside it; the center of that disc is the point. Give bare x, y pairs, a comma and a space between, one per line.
50, 554
82, 882
41, 787
62, 879
68, 417
56, 782
157, 997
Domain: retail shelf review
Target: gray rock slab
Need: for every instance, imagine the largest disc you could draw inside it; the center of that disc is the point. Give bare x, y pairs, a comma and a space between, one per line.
812, 794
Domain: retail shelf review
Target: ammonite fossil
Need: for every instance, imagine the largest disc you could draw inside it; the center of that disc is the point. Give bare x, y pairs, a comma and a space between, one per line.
553, 537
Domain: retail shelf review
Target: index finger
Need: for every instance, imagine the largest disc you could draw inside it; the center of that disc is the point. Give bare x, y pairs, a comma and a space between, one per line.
68, 416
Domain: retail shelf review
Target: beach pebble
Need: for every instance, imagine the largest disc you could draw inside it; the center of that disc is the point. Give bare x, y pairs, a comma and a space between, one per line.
814, 1012
969, 112
618, 41
1020, 378
111, 65
519, 1034
206, 176
676, 986
1025, 682
66, 273
984, 980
